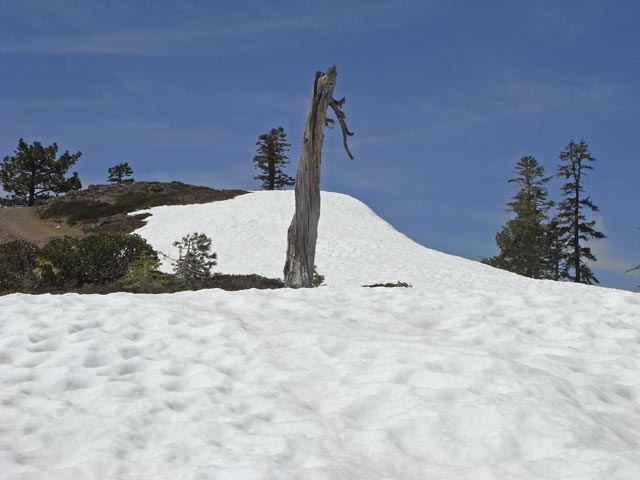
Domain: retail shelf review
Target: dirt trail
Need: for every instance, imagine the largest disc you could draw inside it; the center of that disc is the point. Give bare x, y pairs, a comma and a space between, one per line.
22, 223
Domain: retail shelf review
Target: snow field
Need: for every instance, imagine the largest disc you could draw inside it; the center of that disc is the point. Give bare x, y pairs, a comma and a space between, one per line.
472, 374
355, 246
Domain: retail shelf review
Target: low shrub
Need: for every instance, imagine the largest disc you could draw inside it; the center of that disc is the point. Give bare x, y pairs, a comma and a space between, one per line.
18, 261
100, 259
100, 264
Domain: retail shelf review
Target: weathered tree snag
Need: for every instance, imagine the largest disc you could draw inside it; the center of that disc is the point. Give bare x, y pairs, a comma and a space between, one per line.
303, 231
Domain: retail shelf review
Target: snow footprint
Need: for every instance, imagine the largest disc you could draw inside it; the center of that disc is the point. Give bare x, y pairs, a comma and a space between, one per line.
130, 351
44, 346
131, 366
95, 360
332, 346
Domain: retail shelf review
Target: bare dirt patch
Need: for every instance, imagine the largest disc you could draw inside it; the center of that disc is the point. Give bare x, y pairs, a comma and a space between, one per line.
23, 223
100, 209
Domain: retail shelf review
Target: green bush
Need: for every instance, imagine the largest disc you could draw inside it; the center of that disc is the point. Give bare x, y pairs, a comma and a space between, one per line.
18, 261
100, 258
104, 263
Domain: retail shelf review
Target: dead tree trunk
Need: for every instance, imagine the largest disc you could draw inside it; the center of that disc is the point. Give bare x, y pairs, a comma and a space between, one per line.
303, 231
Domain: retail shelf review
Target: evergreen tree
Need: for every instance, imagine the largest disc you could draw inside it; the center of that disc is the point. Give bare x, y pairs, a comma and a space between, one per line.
523, 241
35, 172
195, 258
573, 226
271, 158
556, 266
118, 172
73, 182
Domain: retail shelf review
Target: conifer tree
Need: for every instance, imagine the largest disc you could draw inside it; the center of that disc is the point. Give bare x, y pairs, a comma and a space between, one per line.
36, 171
523, 241
573, 227
555, 264
195, 258
118, 172
271, 158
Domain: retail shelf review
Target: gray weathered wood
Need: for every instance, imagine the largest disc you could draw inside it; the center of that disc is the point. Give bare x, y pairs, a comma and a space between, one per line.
303, 231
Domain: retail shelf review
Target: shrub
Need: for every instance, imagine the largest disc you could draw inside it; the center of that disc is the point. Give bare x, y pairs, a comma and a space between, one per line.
18, 261
98, 258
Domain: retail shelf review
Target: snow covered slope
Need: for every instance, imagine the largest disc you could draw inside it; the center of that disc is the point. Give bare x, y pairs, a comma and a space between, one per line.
355, 246
472, 374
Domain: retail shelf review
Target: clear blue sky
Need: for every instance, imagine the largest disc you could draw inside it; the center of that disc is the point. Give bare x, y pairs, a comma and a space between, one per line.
444, 97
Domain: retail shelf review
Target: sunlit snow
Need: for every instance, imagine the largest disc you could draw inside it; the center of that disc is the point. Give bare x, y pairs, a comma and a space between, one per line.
473, 373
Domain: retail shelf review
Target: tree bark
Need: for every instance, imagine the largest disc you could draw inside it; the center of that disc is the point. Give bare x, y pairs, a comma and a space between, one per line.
303, 231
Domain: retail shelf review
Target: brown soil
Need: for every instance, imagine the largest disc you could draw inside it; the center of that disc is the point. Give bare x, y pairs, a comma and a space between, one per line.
23, 223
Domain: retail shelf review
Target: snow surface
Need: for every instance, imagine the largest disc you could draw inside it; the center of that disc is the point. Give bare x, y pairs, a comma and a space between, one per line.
472, 374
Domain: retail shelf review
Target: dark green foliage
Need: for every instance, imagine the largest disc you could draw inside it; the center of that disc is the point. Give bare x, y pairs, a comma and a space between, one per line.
271, 158
390, 285
525, 240
94, 259
34, 172
554, 260
195, 258
18, 261
73, 183
118, 172
78, 210
573, 227
103, 264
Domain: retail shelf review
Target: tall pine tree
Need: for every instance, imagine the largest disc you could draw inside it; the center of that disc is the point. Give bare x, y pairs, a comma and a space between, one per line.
523, 241
573, 227
271, 158
556, 266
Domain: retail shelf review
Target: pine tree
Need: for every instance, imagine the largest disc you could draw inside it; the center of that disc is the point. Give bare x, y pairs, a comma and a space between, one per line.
195, 258
34, 172
118, 172
271, 158
523, 241
555, 245
573, 226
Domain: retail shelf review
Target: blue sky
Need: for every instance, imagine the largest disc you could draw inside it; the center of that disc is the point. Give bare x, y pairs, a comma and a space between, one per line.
444, 97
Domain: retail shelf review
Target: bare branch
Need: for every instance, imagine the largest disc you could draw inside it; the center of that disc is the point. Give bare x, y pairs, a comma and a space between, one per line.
335, 105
